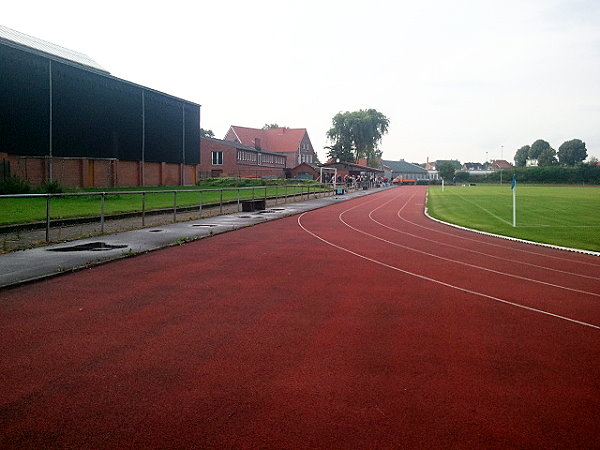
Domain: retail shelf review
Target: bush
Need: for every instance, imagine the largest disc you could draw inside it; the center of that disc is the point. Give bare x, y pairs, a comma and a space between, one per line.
14, 185
582, 173
224, 182
51, 187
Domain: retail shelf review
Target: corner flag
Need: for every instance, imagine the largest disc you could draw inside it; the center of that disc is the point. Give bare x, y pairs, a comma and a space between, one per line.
513, 186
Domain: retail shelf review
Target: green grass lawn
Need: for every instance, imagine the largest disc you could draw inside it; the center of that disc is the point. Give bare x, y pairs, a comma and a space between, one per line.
567, 216
24, 210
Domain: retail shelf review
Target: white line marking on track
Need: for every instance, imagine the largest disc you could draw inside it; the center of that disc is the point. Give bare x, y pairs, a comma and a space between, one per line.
512, 261
442, 283
455, 261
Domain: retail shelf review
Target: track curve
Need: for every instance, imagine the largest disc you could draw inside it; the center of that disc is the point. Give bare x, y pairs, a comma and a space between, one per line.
359, 325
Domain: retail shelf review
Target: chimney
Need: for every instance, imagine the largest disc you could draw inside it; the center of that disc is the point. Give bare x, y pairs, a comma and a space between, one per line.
257, 143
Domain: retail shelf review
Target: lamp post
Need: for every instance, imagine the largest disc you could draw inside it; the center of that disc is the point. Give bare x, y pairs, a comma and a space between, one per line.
501, 159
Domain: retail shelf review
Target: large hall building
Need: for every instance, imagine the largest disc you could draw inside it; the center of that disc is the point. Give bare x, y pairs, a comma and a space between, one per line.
65, 118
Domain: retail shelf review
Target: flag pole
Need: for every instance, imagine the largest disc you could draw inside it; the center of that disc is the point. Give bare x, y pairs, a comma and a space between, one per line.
513, 186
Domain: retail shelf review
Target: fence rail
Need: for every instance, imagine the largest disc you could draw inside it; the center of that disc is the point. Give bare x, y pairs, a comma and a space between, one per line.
230, 195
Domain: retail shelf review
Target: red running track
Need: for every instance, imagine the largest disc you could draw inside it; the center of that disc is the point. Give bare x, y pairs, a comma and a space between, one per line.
360, 325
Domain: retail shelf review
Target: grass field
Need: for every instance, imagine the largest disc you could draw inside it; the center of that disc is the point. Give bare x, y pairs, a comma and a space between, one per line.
566, 216
25, 210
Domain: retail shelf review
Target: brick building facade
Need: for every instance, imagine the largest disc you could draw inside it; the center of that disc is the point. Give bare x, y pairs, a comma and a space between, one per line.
220, 158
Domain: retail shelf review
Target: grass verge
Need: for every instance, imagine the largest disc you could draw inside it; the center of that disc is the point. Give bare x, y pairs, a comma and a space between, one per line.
568, 216
25, 210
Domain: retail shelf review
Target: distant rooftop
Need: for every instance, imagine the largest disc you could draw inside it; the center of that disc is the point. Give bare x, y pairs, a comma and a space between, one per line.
403, 166
24, 40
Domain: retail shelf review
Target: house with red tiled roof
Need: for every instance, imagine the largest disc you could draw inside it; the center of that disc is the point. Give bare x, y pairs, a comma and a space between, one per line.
500, 164
291, 142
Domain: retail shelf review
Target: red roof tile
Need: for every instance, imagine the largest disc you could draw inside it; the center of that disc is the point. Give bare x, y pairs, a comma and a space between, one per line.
281, 140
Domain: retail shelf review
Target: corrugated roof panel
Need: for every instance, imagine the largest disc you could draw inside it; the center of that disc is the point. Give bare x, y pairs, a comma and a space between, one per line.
49, 48
403, 166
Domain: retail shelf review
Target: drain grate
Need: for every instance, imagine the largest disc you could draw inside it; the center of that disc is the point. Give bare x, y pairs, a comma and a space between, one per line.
205, 225
270, 211
90, 247
245, 217
156, 231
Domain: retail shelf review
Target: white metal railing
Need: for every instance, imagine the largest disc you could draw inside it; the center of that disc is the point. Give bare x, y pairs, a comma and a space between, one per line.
305, 191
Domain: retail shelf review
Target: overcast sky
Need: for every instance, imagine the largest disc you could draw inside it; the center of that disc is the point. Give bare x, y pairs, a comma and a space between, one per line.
459, 79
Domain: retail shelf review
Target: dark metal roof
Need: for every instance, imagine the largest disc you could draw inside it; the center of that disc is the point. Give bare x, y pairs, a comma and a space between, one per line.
26, 43
351, 166
403, 166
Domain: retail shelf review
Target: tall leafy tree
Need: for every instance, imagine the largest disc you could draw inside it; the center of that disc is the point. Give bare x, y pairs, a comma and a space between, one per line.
357, 135
521, 156
454, 163
206, 133
270, 126
340, 152
446, 170
547, 157
572, 152
537, 148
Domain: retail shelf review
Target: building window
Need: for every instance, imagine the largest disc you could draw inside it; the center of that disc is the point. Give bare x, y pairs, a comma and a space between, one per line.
217, 158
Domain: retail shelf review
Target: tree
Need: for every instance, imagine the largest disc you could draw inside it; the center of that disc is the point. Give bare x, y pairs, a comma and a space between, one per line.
340, 152
521, 156
538, 147
446, 170
356, 135
206, 133
455, 163
270, 126
571, 152
547, 157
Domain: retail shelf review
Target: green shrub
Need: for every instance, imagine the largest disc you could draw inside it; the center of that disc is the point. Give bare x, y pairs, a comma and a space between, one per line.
14, 185
223, 182
583, 173
51, 187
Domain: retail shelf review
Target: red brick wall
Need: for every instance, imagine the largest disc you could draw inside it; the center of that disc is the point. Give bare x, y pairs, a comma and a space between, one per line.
127, 173
305, 168
83, 172
171, 174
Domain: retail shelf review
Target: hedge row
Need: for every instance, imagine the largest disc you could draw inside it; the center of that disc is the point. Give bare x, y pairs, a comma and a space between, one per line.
580, 174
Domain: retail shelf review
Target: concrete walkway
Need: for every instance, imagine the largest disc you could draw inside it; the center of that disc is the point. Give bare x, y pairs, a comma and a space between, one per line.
37, 263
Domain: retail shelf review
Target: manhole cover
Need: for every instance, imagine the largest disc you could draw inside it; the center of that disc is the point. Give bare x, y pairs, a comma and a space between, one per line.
92, 246
206, 225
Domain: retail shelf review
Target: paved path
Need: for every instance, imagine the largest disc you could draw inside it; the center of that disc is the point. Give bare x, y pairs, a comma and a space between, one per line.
358, 325
50, 260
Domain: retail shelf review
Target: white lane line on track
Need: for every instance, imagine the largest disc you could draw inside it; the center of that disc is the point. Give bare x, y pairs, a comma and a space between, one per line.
455, 261
512, 261
442, 283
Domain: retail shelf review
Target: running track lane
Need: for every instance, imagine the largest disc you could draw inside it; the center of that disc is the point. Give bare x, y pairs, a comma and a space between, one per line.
360, 325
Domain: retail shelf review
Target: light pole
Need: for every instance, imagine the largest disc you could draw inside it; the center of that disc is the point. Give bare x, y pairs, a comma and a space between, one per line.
501, 159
